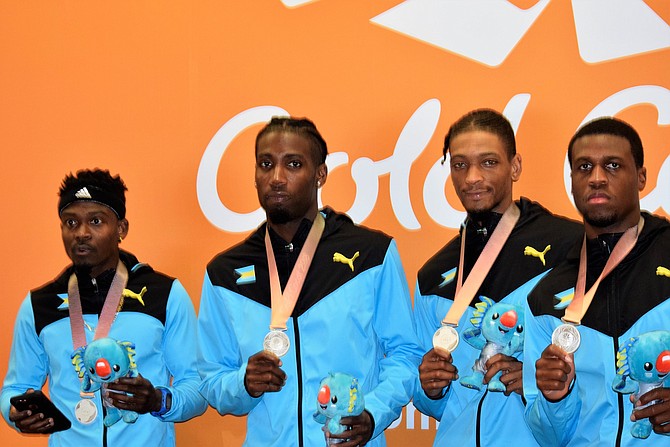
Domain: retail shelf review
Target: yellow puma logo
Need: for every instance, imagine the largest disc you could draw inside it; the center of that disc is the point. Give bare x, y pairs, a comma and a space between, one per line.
530, 251
339, 257
662, 271
127, 293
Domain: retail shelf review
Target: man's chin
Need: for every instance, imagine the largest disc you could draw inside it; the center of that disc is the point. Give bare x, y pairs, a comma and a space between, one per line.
279, 216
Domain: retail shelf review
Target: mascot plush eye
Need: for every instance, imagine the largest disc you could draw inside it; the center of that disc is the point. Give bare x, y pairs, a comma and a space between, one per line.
116, 368
519, 329
648, 366
91, 370
495, 316
333, 400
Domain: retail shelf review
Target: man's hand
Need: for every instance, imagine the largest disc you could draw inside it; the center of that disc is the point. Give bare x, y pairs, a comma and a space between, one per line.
512, 374
264, 374
436, 372
658, 413
134, 394
30, 422
554, 372
358, 432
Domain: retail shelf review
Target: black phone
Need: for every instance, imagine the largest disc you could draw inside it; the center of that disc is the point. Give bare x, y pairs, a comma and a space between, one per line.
37, 402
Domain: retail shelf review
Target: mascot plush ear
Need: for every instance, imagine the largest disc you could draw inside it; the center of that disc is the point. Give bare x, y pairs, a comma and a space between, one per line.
103, 361
497, 329
338, 397
643, 364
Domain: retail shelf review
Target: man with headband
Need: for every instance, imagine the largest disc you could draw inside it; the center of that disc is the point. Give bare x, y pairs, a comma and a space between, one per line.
307, 294
502, 250
611, 289
106, 292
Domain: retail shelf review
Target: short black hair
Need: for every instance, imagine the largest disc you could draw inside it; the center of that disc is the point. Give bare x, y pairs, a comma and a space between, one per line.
299, 126
608, 125
103, 187
487, 120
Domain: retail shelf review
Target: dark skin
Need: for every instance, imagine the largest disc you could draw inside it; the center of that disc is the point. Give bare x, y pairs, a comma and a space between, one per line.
437, 371
91, 234
554, 372
658, 414
288, 177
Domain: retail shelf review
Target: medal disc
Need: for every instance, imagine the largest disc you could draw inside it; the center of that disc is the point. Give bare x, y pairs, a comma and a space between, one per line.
446, 337
85, 411
566, 337
276, 342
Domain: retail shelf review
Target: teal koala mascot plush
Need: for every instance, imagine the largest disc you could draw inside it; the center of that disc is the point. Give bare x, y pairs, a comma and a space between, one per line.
339, 396
498, 329
103, 361
645, 360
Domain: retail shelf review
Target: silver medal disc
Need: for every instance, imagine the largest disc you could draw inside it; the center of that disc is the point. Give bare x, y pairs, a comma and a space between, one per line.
85, 411
566, 337
276, 342
446, 337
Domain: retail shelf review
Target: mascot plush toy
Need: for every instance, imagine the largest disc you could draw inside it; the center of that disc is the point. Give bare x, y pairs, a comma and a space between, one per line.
646, 361
498, 329
338, 397
103, 361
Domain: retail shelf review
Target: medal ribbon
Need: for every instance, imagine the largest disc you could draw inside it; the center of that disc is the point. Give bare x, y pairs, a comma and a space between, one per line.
109, 309
282, 304
581, 301
465, 292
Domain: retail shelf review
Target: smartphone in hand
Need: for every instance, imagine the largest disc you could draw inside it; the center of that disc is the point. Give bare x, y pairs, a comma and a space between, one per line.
37, 402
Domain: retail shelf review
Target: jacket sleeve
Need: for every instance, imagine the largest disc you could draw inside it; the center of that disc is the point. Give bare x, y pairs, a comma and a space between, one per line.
552, 423
427, 321
27, 360
396, 333
180, 352
220, 361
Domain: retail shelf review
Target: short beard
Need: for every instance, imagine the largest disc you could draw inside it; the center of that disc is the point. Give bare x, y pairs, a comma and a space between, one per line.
279, 216
601, 220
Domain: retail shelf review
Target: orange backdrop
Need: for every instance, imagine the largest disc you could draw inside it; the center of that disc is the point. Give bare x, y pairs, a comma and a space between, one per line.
170, 94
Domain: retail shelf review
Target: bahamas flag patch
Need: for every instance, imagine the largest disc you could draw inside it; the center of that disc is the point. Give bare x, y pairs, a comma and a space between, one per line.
448, 277
247, 275
564, 298
66, 302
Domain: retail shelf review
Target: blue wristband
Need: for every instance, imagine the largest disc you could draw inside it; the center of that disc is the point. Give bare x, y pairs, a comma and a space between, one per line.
164, 395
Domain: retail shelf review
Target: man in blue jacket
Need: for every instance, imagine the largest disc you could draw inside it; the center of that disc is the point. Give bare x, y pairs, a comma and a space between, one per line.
571, 401
307, 294
104, 286
484, 165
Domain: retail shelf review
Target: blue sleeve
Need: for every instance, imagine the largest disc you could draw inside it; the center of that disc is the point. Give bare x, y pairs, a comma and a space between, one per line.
220, 361
396, 333
552, 423
180, 353
427, 322
27, 360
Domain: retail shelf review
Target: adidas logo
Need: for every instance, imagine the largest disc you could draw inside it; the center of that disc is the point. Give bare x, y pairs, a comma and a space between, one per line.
83, 194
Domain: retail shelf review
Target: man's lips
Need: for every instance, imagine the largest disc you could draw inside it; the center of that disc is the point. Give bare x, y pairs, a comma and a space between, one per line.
597, 198
82, 249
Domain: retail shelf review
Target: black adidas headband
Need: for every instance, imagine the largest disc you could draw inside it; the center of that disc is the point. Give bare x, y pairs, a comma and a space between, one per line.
93, 194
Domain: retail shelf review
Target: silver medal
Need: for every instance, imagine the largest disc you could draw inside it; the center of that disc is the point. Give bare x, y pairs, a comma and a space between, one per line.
85, 411
276, 342
566, 337
446, 337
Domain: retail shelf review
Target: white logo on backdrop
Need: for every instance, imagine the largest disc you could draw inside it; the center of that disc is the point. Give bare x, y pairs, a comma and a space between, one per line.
488, 30
411, 143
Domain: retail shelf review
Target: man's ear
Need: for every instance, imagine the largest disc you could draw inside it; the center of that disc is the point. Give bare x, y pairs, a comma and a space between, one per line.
123, 229
321, 175
516, 167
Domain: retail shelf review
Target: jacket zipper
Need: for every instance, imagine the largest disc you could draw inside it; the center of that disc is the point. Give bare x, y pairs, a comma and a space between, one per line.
296, 333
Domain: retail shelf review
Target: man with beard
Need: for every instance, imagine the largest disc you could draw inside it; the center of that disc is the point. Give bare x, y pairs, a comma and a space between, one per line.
608, 290
307, 294
503, 249
106, 292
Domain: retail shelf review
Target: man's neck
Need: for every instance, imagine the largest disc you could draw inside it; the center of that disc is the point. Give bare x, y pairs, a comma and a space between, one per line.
288, 230
593, 232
